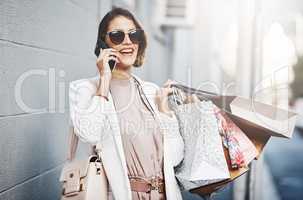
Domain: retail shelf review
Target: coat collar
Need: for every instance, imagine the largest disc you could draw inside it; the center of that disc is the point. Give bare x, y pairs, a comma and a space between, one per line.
137, 78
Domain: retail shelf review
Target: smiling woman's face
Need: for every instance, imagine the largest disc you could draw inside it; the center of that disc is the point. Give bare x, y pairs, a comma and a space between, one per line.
127, 50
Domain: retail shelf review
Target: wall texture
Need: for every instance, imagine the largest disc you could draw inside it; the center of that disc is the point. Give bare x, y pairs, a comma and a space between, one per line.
57, 38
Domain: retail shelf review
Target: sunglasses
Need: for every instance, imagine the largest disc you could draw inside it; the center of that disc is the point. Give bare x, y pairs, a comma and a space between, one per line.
117, 36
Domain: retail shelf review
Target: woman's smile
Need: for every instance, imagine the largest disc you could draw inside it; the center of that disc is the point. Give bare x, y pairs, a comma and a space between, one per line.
127, 51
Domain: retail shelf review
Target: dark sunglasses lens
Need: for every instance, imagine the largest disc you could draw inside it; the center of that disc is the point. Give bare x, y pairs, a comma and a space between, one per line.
116, 37
136, 36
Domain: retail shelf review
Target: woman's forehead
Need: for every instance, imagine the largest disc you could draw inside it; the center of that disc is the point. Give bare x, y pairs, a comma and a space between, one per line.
121, 23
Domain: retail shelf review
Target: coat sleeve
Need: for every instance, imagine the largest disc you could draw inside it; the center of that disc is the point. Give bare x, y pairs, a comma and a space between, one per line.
88, 112
175, 142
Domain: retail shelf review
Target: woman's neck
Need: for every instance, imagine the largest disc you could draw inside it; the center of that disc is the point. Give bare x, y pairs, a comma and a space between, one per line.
121, 73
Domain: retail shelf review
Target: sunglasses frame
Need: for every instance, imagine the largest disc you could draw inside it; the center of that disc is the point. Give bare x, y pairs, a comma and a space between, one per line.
124, 35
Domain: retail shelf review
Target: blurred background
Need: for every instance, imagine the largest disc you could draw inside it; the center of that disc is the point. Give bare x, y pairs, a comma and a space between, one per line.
250, 48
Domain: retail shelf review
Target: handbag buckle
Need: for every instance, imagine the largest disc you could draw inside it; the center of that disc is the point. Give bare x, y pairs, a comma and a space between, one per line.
98, 165
72, 186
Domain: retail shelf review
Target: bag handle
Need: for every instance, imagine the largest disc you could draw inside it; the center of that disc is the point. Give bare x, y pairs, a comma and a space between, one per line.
73, 144
193, 90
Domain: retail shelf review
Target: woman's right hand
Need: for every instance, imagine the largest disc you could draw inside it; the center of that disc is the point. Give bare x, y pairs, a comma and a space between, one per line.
104, 69
102, 61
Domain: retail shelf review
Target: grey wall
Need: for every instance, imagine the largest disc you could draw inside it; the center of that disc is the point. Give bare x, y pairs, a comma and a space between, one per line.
48, 35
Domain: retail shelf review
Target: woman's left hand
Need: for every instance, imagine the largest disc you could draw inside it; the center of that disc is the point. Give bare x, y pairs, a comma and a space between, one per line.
162, 97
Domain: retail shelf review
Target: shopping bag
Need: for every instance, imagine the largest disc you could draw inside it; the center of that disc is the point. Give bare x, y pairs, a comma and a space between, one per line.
202, 144
179, 98
241, 150
277, 122
213, 187
257, 120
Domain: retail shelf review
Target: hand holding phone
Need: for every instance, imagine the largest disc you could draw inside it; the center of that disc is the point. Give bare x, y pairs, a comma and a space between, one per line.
106, 61
106, 56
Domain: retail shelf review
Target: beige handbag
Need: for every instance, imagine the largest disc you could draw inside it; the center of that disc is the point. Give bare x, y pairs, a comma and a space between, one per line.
83, 179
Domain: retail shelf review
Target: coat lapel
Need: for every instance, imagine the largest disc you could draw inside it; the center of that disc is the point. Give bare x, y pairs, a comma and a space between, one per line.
113, 156
113, 121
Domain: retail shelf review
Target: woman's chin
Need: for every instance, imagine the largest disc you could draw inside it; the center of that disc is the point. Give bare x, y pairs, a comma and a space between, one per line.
125, 65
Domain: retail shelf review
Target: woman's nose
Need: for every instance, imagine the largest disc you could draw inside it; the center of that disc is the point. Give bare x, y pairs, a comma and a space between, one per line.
127, 39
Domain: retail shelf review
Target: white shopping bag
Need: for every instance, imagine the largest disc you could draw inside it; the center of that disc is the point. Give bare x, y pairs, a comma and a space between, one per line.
204, 160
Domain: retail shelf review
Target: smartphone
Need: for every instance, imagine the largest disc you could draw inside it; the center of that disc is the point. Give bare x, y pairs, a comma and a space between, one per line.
103, 45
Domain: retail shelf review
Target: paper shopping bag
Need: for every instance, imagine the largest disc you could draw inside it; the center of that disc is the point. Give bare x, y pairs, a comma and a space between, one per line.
257, 120
204, 161
241, 150
277, 122
234, 174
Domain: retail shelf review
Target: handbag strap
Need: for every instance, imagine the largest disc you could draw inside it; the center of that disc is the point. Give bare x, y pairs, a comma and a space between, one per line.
143, 97
73, 144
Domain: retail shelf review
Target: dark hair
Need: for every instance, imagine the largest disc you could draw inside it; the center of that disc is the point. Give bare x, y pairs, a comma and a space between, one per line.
103, 26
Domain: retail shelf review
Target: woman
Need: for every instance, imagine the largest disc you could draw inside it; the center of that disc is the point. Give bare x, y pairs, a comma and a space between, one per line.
127, 117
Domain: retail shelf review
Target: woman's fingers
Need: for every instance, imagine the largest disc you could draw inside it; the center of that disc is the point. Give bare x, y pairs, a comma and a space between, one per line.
169, 82
108, 50
109, 54
162, 100
191, 99
168, 90
164, 91
103, 58
112, 57
115, 55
